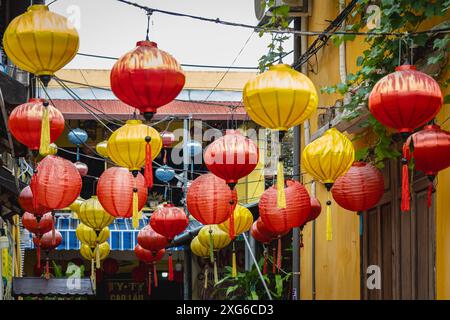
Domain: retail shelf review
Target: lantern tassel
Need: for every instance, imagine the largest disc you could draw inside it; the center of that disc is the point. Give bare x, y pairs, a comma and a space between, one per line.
281, 196
274, 260
135, 209
216, 273
206, 276
149, 283
53, 229
279, 254
44, 147
233, 263
406, 197
148, 169
165, 156
38, 253
231, 230
92, 273
329, 228
47, 268
155, 276
211, 246
430, 194
97, 256
170, 267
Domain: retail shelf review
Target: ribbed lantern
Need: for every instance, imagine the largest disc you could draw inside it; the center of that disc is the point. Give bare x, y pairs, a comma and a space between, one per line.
89, 237
47, 242
169, 221
281, 220
147, 78
93, 215
37, 226
208, 199
260, 236
316, 208
199, 249
26, 120
115, 191
151, 240
168, 138
91, 253
40, 42
165, 173
326, 159
30, 204
431, 153
360, 188
243, 220
405, 99
150, 258
57, 183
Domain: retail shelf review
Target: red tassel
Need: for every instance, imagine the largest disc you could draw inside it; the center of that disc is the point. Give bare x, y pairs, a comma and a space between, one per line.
279, 253
430, 193
38, 252
47, 269
149, 284
406, 197
155, 276
170, 267
53, 229
148, 169
274, 262
34, 188
165, 156
231, 228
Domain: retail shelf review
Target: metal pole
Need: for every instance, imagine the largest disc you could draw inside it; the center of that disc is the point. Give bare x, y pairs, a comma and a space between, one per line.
187, 270
296, 171
257, 266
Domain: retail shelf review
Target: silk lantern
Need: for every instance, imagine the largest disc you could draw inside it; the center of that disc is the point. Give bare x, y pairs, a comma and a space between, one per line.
115, 191
265, 239
405, 99
201, 251
208, 199
40, 42
30, 204
430, 149
165, 173
243, 220
149, 257
75, 207
326, 159
93, 215
102, 148
194, 148
77, 136
91, 253
360, 188
82, 168
316, 208
92, 238
39, 226
149, 239
231, 157
147, 78
57, 183
47, 242
168, 138
36, 124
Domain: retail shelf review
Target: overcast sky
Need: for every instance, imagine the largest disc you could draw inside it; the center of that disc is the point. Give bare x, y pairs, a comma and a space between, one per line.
111, 28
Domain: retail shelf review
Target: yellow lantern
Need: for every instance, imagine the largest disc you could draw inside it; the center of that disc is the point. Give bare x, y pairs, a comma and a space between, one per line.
243, 220
52, 149
326, 159
92, 214
279, 99
98, 253
102, 148
75, 206
199, 249
88, 236
40, 42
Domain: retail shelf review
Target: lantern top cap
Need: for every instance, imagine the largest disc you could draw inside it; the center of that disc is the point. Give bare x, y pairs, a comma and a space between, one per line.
280, 66
134, 121
405, 67
146, 43
38, 7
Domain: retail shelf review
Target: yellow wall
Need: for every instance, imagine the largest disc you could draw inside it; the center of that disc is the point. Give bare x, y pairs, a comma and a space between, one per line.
338, 261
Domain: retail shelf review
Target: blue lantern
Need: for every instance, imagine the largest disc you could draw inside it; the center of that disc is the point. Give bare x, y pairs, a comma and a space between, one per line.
78, 136
165, 173
194, 148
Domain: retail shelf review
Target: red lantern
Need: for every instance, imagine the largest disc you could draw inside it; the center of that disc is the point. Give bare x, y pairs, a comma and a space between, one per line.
208, 199
46, 242
168, 138
169, 221
360, 188
149, 239
57, 184
44, 225
147, 78
316, 208
25, 123
29, 204
260, 236
110, 266
149, 257
281, 220
406, 99
431, 152
115, 191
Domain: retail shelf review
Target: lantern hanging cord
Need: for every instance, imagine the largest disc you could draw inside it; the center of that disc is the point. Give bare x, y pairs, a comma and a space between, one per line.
149, 15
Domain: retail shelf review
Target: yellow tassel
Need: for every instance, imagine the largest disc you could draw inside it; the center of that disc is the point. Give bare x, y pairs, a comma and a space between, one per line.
216, 274
93, 278
281, 196
329, 226
233, 265
97, 256
44, 147
135, 211
206, 276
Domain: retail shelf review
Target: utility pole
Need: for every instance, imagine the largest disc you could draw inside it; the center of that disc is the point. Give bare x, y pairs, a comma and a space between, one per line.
187, 270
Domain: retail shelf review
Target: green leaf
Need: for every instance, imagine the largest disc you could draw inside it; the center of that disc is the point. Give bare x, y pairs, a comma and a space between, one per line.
231, 289
447, 99
361, 154
254, 295
359, 61
278, 285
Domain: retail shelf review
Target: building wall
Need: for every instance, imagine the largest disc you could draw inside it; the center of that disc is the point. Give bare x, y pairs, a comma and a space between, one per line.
338, 261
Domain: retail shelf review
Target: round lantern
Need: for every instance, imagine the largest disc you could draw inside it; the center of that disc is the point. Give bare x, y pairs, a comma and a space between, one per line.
57, 184
194, 148
110, 266
260, 236
115, 191
47, 242
263, 228
326, 159
82, 168
169, 221
360, 188
430, 149
93, 215
75, 207
52, 149
243, 220
168, 138
405, 99
199, 249
38, 227
280, 98
26, 120
30, 204
281, 220
147, 78
165, 173
88, 236
148, 256
91, 253
208, 199
40, 42
77, 136
102, 148
316, 208
149, 239
213, 237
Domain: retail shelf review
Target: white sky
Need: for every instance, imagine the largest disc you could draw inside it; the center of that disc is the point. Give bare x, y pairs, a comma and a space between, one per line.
111, 28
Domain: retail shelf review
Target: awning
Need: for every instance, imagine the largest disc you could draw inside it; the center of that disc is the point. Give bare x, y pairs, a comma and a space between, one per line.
199, 111
31, 286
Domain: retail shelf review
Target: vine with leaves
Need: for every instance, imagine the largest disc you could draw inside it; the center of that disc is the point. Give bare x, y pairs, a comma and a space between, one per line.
384, 53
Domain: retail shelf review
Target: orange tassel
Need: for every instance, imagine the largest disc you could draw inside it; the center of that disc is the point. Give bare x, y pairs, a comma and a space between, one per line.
170, 267
47, 269
406, 197
155, 276
148, 169
279, 254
